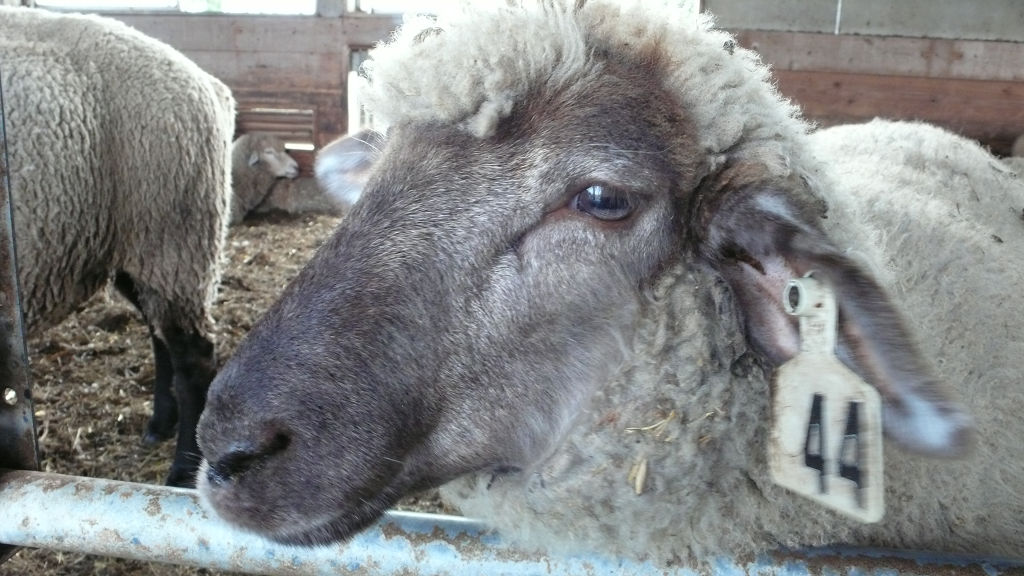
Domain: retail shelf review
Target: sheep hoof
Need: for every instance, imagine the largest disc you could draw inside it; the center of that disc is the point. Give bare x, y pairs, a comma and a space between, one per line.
181, 477
156, 435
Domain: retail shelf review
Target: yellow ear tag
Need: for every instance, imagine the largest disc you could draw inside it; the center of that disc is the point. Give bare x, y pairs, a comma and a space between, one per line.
826, 438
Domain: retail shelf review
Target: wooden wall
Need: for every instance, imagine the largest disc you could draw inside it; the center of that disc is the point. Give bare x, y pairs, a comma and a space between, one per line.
953, 19
288, 73
970, 86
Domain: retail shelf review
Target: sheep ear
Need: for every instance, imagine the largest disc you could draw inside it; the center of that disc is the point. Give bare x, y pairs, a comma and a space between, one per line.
758, 233
254, 158
343, 166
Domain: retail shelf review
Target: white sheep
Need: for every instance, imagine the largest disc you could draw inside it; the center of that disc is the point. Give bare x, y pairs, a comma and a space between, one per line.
119, 167
560, 293
258, 161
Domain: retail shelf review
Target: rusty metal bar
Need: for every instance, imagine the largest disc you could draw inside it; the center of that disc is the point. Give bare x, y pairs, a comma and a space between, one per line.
17, 430
169, 525
18, 447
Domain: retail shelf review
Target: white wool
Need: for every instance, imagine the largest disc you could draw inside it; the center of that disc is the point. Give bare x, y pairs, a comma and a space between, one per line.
932, 215
431, 70
100, 174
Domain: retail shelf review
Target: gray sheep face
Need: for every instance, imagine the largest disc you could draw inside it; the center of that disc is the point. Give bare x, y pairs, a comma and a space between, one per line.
483, 288
496, 293
275, 160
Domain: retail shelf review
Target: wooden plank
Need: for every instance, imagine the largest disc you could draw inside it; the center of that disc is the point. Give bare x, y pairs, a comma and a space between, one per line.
807, 15
366, 30
975, 19
924, 57
328, 119
305, 160
978, 19
288, 98
331, 122
324, 71
974, 87
330, 8
287, 130
252, 33
989, 111
284, 61
275, 118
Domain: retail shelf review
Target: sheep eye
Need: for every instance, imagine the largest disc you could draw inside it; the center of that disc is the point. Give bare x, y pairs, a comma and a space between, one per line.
603, 202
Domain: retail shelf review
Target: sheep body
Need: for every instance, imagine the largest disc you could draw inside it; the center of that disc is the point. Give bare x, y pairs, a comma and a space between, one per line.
931, 206
119, 167
303, 195
940, 222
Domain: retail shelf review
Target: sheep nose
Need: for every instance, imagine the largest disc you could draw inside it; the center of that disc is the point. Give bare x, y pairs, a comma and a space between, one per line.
243, 457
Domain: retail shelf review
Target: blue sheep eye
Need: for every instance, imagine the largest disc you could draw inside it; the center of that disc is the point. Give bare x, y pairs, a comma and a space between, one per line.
603, 202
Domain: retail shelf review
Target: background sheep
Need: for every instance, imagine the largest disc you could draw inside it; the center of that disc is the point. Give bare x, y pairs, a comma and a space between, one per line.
567, 267
258, 161
119, 169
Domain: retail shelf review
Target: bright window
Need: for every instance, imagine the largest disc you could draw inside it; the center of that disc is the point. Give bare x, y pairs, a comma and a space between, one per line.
110, 4
394, 6
229, 6
250, 6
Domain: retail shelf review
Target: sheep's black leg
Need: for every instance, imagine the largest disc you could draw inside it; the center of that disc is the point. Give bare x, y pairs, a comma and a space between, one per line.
192, 356
165, 407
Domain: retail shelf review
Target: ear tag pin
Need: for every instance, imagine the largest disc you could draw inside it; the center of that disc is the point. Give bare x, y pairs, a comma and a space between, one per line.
826, 437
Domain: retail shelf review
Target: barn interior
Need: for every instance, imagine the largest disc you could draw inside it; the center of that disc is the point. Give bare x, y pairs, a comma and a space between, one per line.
292, 71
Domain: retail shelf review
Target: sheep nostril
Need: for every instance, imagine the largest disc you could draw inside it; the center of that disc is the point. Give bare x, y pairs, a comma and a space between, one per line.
243, 458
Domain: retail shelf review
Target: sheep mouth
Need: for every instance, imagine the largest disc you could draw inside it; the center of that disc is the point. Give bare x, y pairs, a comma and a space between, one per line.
332, 530
339, 527
238, 505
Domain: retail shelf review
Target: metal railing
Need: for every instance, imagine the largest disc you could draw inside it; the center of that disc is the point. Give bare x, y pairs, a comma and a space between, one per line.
164, 524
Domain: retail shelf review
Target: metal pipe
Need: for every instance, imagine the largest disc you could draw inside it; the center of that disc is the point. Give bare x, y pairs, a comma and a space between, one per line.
164, 524
18, 446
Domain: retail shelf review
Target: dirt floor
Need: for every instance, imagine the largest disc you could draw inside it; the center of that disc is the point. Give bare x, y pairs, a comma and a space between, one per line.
92, 380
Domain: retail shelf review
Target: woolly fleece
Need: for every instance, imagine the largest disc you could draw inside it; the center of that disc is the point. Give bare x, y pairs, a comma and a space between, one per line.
935, 216
119, 162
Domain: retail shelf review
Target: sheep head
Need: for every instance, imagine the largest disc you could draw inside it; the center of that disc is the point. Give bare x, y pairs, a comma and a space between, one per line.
267, 152
484, 284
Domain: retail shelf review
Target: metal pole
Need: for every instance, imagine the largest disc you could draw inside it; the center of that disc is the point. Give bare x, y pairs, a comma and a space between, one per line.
18, 447
165, 524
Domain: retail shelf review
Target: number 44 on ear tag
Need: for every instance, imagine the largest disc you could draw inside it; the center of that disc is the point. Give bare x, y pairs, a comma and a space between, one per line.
826, 438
